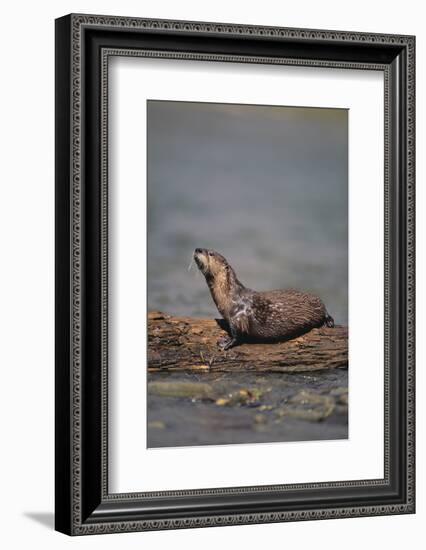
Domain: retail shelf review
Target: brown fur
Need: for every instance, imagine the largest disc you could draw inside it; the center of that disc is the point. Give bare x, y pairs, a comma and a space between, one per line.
261, 316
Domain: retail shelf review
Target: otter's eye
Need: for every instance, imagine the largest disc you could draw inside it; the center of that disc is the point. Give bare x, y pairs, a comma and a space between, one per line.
211, 253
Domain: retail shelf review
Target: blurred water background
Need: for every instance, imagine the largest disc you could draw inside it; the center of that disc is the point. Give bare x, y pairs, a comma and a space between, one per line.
265, 186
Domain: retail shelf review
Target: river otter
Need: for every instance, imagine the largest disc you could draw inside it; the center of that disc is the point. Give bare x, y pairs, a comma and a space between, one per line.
259, 316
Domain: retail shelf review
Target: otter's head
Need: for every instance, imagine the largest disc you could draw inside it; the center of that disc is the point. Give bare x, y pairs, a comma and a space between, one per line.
221, 279
212, 264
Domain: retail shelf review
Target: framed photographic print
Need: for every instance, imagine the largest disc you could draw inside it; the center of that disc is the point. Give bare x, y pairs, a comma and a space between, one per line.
234, 274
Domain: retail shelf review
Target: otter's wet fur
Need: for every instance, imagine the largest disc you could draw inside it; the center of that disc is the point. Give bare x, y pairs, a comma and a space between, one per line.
274, 315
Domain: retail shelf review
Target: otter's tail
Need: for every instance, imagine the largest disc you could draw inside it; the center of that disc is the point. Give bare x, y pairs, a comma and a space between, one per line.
328, 321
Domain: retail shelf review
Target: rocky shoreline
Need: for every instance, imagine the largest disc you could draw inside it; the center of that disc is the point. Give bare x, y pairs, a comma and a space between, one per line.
198, 395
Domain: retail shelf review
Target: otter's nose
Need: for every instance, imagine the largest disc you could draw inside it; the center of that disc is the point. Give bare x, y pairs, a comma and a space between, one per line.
198, 251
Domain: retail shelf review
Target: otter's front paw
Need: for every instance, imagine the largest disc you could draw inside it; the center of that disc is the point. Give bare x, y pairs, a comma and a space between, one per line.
226, 342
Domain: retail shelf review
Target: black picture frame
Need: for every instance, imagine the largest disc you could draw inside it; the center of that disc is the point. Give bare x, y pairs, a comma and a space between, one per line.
83, 45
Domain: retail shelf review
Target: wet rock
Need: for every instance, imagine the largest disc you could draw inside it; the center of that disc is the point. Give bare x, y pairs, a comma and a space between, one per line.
341, 395
266, 408
194, 390
156, 425
260, 419
338, 391
342, 410
343, 399
241, 397
222, 401
307, 405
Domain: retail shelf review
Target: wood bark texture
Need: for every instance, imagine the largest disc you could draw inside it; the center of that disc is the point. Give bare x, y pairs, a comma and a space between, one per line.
190, 344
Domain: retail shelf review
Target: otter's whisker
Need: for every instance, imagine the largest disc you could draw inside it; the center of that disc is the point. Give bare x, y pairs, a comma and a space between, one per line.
191, 263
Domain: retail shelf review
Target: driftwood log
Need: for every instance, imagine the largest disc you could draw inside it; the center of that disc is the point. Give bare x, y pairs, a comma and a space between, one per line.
189, 344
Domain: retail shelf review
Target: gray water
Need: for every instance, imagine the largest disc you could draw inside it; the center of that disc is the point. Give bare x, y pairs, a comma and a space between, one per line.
286, 407
265, 186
